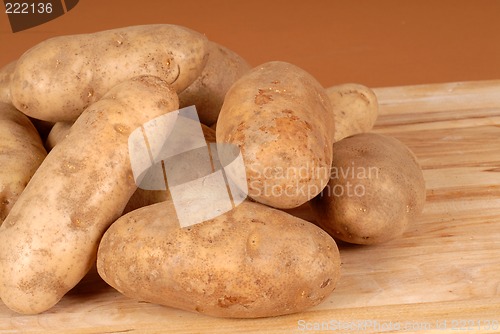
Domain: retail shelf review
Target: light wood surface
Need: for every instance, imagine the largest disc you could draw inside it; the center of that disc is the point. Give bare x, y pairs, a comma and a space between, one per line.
444, 272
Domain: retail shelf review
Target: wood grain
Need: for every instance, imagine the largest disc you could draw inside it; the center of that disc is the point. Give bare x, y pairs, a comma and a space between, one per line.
446, 268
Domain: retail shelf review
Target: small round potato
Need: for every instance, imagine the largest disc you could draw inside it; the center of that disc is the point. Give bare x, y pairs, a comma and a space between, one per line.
355, 108
250, 262
207, 93
376, 189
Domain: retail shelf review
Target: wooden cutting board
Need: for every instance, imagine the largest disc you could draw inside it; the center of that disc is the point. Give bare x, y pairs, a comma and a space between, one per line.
443, 274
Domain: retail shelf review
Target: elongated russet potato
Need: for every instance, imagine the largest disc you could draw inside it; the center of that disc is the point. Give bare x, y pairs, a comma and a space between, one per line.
355, 108
58, 78
207, 93
282, 120
5, 78
21, 153
50, 238
250, 262
375, 191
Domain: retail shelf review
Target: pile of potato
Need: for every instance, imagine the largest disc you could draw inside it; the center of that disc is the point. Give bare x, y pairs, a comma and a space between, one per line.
79, 204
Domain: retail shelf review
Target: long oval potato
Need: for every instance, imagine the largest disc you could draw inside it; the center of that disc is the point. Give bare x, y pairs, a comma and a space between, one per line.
282, 120
50, 238
58, 78
253, 261
207, 93
21, 153
5, 78
355, 109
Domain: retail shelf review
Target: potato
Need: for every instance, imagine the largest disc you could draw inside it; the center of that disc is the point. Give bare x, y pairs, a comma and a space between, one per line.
253, 261
376, 189
50, 238
21, 152
355, 108
5, 78
207, 93
143, 197
58, 78
282, 120
59, 131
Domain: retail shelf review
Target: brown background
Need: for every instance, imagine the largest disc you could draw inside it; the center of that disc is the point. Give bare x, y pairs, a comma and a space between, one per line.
374, 42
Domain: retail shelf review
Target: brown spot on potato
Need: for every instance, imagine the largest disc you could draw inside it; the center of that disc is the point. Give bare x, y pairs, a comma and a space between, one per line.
325, 283
43, 281
253, 244
228, 301
262, 98
71, 166
121, 129
163, 103
257, 221
76, 222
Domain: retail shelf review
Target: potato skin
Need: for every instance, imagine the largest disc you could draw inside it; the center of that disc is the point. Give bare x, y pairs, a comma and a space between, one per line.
58, 78
57, 133
5, 78
21, 153
377, 188
281, 118
355, 108
50, 238
207, 92
141, 197
250, 262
